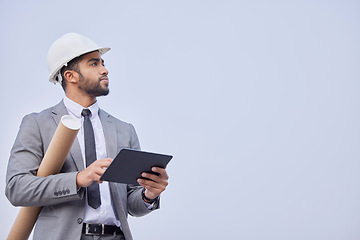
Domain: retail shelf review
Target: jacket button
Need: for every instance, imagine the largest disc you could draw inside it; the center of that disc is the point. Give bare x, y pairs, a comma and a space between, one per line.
79, 220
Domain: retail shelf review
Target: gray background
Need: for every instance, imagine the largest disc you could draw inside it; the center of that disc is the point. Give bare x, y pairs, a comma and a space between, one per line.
258, 101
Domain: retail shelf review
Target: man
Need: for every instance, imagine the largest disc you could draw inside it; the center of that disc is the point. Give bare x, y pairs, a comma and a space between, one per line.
76, 205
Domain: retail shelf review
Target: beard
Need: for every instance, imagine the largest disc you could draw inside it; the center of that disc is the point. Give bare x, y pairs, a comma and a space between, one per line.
93, 88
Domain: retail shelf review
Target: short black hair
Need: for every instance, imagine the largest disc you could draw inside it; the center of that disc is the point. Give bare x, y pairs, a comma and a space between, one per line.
72, 65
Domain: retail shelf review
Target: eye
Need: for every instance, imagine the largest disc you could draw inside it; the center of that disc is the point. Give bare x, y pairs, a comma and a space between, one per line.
94, 64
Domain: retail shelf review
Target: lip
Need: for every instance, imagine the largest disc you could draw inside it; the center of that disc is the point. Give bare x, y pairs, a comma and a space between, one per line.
105, 79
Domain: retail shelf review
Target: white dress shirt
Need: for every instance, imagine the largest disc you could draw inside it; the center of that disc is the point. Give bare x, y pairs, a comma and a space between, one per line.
104, 214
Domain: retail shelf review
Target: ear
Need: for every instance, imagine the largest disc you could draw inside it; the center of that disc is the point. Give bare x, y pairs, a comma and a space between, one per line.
71, 76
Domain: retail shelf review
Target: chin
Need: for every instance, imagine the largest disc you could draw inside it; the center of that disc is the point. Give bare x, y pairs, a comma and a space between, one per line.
105, 92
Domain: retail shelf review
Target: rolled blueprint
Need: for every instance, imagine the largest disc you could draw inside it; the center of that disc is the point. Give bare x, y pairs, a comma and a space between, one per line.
52, 163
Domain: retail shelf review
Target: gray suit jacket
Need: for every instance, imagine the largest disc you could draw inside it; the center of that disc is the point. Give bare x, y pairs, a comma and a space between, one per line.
63, 205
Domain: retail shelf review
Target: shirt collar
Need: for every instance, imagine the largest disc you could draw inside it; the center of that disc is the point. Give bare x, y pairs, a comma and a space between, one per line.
76, 109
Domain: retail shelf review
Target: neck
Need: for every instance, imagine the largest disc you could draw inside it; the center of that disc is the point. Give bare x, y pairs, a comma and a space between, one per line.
82, 99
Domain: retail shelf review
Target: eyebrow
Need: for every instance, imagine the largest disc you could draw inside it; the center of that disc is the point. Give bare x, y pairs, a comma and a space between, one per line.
96, 60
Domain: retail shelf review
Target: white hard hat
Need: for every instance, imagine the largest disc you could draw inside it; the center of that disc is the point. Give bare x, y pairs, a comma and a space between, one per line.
66, 48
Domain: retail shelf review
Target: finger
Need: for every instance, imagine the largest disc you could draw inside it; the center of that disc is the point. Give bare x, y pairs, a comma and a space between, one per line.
147, 183
99, 171
161, 171
152, 177
141, 183
103, 162
153, 186
159, 179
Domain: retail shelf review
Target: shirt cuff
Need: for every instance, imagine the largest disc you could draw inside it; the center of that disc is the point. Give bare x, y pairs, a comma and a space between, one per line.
149, 206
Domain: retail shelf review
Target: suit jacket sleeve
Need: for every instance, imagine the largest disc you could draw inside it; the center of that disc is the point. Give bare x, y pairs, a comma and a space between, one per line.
23, 187
136, 205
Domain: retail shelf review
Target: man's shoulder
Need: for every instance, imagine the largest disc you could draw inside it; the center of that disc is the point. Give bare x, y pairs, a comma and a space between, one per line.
45, 113
118, 122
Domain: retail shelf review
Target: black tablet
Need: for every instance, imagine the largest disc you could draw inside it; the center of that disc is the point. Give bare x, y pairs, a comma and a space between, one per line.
128, 165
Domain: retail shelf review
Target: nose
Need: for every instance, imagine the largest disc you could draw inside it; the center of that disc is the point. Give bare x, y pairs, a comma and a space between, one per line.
104, 71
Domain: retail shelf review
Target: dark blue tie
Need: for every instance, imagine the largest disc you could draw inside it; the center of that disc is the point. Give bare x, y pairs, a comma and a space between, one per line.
93, 193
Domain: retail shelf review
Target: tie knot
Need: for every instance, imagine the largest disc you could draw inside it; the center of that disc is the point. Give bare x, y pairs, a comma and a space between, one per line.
85, 112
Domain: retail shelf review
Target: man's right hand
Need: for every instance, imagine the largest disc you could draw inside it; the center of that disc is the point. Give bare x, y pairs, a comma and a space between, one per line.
92, 173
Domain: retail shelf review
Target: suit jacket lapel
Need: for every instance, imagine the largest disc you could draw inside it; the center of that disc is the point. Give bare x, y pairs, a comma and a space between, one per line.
58, 111
109, 129
110, 133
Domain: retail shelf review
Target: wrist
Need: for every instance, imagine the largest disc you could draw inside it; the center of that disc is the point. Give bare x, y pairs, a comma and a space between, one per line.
146, 199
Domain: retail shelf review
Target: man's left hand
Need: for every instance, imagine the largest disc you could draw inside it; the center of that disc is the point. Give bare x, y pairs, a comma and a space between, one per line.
156, 185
